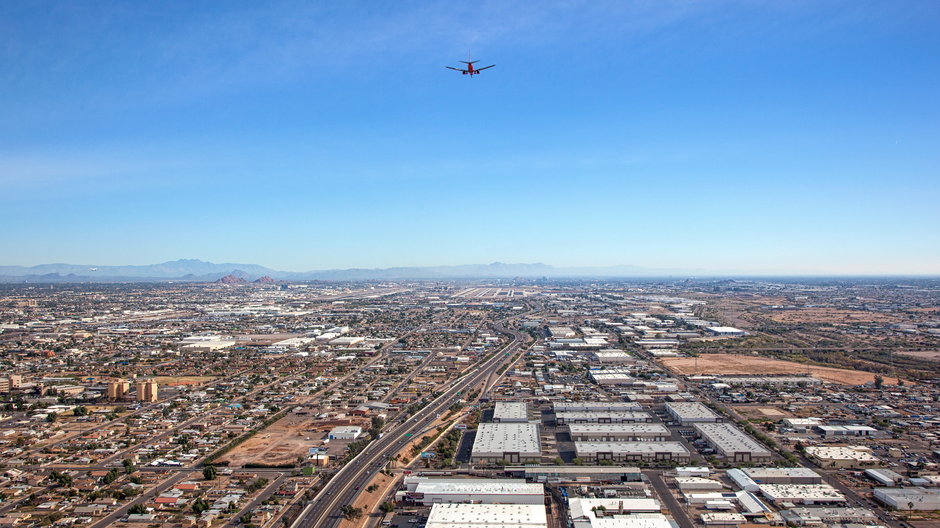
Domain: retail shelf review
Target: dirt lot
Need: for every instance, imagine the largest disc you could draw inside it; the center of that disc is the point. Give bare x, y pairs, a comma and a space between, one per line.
831, 316
755, 365
280, 443
929, 355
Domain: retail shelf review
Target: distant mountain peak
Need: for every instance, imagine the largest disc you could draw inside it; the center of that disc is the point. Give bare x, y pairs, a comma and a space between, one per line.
231, 279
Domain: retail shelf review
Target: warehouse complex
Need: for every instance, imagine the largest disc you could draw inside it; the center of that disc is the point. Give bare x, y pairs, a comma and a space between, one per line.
619, 432
732, 443
511, 443
429, 491
686, 413
597, 452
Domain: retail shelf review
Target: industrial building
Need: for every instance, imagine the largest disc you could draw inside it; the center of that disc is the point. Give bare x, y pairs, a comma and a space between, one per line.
596, 406
802, 493
576, 473
616, 513
750, 479
511, 412
910, 499
842, 457
570, 417
612, 376
836, 431
512, 443
822, 516
619, 432
487, 515
687, 413
345, 432
427, 491
597, 452
725, 331
732, 443
613, 356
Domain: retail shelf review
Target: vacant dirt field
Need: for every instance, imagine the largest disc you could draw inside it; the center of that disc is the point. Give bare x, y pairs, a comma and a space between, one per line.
755, 365
831, 316
280, 443
929, 355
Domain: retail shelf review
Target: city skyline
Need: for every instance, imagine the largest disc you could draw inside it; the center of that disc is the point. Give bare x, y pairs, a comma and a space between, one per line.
757, 138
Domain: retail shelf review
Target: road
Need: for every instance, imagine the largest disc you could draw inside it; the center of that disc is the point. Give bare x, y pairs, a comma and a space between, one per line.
665, 494
342, 489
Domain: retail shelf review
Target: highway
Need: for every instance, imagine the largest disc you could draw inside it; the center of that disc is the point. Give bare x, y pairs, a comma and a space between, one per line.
342, 489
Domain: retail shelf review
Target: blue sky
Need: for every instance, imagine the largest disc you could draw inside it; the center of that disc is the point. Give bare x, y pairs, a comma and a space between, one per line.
749, 136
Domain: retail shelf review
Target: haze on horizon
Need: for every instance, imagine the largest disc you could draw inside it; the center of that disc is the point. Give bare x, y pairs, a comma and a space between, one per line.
758, 137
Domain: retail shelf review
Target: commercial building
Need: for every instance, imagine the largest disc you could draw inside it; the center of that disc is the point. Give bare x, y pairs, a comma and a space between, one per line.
732, 443
836, 431
147, 391
561, 332
885, 477
612, 376
687, 413
512, 443
576, 473
596, 452
909, 499
616, 513
596, 406
511, 412
345, 432
487, 516
842, 457
570, 417
750, 479
613, 356
725, 331
822, 516
619, 432
427, 491
802, 493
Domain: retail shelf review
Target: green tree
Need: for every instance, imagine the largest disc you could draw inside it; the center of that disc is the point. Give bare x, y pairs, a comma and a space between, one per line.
138, 509
209, 472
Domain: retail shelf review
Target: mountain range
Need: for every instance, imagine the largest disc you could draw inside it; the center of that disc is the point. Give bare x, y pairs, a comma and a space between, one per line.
194, 270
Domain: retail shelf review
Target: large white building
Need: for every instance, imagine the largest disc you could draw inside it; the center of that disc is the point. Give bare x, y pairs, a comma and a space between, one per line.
920, 499
597, 452
570, 417
427, 491
802, 493
687, 413
619, 432
580, 406
513, 443
616, 513
733, 443
487, 516
511, 411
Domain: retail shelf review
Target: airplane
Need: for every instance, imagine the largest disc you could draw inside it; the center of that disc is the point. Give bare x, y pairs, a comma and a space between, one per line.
470, 69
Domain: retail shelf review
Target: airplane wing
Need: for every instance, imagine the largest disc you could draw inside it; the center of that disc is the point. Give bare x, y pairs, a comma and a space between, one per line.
485, 67
455, 69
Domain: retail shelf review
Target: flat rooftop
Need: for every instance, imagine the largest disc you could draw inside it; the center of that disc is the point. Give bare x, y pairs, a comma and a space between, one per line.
729, 439
510, 410
690, 411
494, 439
628, 448
487, 516
639, 428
